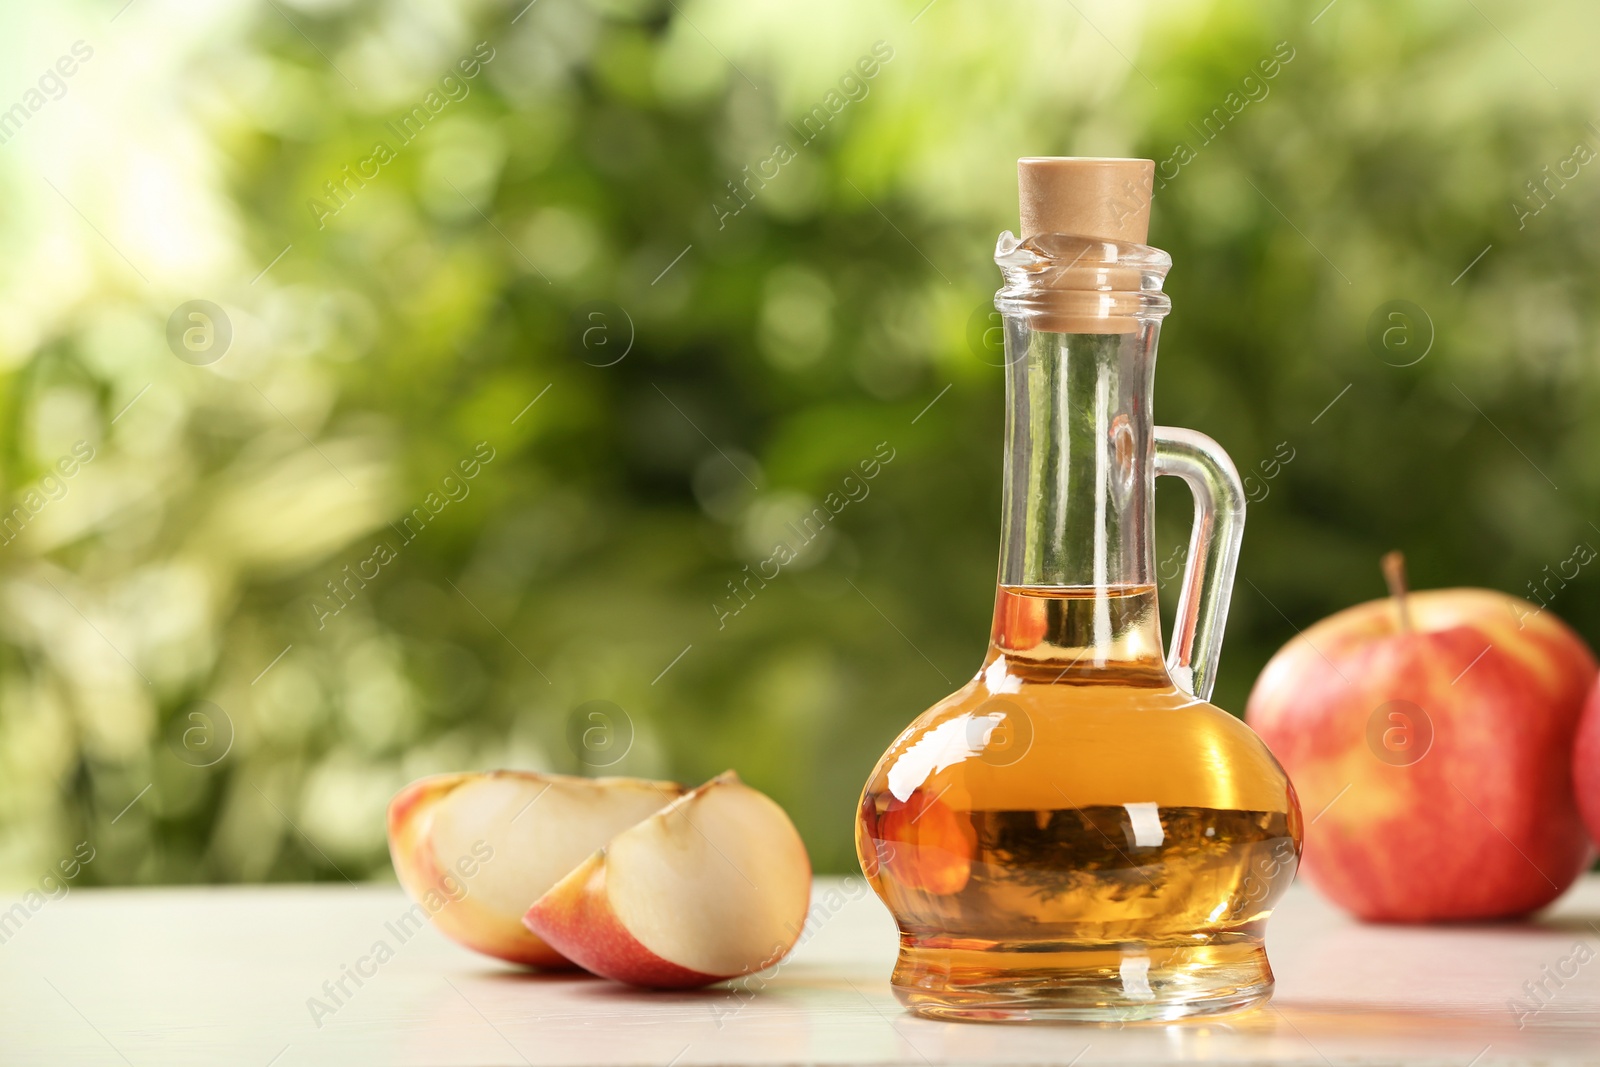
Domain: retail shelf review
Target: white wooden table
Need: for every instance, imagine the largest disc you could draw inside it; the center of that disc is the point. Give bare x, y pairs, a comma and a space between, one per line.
223, 976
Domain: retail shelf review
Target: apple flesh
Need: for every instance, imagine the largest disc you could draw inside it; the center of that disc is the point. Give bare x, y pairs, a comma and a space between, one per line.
474, 850
1433, 732
1586, 764
714, 885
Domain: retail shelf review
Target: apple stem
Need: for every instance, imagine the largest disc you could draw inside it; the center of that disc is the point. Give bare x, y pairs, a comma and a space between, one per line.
1394, 572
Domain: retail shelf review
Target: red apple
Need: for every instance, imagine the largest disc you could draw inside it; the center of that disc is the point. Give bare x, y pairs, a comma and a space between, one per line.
1430, 738
714, 885
1586, 764
474, 850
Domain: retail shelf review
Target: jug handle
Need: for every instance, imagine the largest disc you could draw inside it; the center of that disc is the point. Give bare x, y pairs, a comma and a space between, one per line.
1219, 505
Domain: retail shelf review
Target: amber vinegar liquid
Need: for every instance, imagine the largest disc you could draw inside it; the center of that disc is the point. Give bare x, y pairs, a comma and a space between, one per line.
1072, 835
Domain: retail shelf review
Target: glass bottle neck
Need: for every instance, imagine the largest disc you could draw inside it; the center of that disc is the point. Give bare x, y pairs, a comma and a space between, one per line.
1077, 590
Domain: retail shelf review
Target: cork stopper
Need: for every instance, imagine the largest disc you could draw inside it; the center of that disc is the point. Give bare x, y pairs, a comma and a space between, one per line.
1107, 199
1090, 219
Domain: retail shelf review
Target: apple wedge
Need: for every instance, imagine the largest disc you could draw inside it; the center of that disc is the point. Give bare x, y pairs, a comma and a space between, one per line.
712, 886
474, 850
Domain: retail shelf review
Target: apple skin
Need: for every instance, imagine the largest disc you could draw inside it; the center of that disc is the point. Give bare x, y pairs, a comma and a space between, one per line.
576, 917
1483, 824
1586, 764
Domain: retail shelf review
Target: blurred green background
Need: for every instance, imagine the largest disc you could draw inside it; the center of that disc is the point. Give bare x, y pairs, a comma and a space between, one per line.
175, 684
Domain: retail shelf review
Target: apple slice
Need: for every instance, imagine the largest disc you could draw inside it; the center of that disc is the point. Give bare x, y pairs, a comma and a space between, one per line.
712, 886
474, 850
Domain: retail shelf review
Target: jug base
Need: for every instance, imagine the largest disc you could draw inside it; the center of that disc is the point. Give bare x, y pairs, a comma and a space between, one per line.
1102, 984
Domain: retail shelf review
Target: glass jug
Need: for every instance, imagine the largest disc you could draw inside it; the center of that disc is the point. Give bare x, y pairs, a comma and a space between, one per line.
1076, 833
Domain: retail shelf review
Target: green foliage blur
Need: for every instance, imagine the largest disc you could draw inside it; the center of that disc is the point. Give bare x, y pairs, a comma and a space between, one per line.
662, 275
